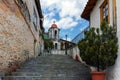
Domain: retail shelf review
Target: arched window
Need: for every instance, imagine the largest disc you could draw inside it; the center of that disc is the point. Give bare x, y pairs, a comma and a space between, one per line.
62, 44
55, 45
55, 34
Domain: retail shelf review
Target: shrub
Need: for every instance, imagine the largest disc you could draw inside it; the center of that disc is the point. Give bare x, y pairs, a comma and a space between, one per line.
99, 47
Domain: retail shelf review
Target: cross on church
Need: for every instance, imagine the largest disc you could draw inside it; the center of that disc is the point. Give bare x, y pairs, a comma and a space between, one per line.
54, 22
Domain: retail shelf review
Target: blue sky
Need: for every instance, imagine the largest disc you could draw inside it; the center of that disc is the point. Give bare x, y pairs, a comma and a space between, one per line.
66, 13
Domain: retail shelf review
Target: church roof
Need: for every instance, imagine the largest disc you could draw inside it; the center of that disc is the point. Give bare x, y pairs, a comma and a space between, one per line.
53, 25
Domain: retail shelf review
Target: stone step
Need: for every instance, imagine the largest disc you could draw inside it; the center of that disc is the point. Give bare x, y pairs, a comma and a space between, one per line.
55, 71
46, 78
52, 67
41, 64
54, 61
55, 65
48, 63
46, 74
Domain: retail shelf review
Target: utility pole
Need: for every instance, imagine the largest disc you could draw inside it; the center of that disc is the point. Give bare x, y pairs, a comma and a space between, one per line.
66, 45
66, 36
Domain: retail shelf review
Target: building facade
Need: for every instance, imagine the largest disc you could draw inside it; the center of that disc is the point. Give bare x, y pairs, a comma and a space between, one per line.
20, 31
98, 10
60, 45
53, 33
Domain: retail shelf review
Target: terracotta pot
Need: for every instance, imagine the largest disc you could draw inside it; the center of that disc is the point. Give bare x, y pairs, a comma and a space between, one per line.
98, 75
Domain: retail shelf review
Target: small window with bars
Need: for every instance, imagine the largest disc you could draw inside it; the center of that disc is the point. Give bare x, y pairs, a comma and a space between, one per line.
35, 20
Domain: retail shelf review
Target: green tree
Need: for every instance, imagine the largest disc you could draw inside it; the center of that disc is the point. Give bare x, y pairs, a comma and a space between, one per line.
99, 47
48, 44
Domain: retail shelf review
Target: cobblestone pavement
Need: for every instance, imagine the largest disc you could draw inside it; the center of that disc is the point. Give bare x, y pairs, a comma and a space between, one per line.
51, 67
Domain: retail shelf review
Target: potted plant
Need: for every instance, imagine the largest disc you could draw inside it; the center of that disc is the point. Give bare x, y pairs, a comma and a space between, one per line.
99, 48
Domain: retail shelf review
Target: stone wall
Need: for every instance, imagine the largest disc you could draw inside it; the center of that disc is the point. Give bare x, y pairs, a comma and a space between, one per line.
16, 39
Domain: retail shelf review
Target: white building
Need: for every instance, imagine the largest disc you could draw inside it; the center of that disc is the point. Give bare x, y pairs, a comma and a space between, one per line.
109, 10
60, 45
53, 33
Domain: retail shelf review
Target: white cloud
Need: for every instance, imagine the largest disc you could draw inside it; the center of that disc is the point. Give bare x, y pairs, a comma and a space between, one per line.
48, 23
68, 39
72, 8
66, 10
66, 23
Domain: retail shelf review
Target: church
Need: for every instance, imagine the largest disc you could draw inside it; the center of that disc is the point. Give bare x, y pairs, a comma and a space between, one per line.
60, 45
53, 33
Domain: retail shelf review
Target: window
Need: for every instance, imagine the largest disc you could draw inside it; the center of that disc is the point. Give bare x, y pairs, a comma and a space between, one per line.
55, 45
104, 11
35, 19
55, 34
24, 9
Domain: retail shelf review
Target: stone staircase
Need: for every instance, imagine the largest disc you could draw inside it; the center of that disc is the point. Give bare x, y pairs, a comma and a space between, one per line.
51, 67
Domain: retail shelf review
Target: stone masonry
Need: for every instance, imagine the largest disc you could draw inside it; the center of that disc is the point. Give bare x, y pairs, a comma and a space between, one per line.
16, 38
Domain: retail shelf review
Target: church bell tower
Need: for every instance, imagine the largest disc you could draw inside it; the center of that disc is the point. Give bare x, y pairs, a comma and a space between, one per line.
54, 32
54, 35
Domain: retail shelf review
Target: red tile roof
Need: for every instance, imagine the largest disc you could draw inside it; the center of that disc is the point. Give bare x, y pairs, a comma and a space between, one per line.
53, 25
90, 5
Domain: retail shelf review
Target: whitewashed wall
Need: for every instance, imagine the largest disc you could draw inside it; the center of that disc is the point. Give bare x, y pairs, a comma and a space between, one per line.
95, 14
52, 33
60, 52
114, 71
73, 52
58, 44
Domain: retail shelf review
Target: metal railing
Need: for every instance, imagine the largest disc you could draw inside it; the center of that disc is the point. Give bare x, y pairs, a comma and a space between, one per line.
80, 36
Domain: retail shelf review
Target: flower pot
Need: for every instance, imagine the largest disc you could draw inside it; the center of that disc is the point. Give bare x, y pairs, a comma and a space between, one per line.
98, 75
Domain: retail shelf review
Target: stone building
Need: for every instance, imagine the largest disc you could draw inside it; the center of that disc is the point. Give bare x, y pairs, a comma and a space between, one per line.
109, 10
20, 31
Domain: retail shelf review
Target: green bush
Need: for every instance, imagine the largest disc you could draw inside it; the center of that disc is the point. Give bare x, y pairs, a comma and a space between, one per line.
99, 47
48, 44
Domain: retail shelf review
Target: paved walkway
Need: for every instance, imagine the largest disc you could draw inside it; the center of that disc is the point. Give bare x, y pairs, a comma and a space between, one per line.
52, 67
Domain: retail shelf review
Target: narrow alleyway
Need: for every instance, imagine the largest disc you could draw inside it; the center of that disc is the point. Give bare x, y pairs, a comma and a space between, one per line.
52, 67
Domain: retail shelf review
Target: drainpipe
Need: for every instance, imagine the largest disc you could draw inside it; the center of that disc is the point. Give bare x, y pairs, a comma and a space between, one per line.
66, 45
